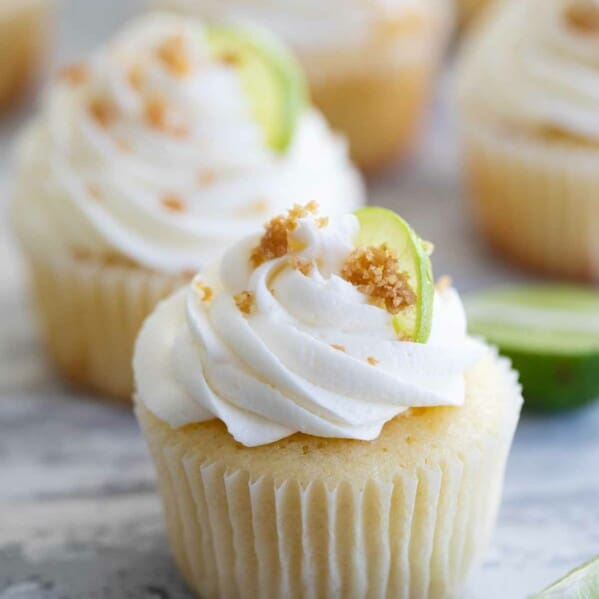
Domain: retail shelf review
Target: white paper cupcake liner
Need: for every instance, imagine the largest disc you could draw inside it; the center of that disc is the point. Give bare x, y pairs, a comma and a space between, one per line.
536, 202
90, 313
415, 536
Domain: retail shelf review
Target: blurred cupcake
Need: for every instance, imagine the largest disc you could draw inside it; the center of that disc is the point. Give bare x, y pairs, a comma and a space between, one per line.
145, 161
370, 63
23, 31
304, 445
529, 98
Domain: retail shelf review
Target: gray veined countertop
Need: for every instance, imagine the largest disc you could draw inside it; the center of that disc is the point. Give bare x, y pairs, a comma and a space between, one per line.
78, 514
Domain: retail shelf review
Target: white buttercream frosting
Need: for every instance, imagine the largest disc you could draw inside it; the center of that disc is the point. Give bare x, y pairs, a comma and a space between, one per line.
312, 355
531, 65
174, 168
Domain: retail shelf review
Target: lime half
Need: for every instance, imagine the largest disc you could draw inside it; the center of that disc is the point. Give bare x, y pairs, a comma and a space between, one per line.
379, 226
581, 583
271, 78
551, 333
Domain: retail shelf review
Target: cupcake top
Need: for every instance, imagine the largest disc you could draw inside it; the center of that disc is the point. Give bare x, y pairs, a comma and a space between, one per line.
304, 328
167, 145
534, 65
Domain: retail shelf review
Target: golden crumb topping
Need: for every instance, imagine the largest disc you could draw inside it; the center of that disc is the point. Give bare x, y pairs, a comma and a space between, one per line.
136, 76
274, 243
174, 57
372, 361
204, 290
338, 347
173, 203
303, 266
322, 221
443, 284
245, 301
583, 17
75, 73
375, 272
156, 116
102, 111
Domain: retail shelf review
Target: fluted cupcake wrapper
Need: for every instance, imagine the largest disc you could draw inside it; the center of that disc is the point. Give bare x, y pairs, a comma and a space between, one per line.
536, 202
91, 312
416, 536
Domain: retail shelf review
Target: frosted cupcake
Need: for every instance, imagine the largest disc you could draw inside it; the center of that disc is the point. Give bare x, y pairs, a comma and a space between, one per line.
145, 161
370, 63
320, 422
529, 97
23, 34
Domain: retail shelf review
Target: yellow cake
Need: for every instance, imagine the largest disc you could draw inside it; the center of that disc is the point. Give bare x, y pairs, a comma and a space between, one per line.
302, 448
143, 163
530, 122
370, 65
24, 31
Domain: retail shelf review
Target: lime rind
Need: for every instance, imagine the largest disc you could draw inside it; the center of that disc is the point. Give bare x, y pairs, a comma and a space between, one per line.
580, 583
271, 78
378, 226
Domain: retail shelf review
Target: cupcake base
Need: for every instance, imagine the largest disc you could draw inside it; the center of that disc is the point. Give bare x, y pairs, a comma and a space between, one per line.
379, 112
22, 37
90, 312
535, 200
407, 515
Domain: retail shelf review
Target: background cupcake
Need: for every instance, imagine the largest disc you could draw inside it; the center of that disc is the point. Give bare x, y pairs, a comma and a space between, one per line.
529, 98
23, 35
144, 162
304, 445
370, 64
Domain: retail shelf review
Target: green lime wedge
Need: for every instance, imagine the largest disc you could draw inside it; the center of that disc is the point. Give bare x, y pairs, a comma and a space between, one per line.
379, 226
271, 78
551, 334
581, 583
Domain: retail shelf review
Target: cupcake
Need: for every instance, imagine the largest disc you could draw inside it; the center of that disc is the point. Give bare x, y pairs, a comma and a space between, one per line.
370, 64
528, 92
23, 32
144, 163
320, 422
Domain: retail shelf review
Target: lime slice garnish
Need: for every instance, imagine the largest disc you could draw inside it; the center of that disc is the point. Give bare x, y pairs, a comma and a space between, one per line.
271, 78
379, 226
551, 333
580, 583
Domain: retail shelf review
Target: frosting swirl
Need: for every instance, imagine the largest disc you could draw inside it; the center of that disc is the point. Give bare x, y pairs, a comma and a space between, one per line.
149, 151
282, 348
536, 64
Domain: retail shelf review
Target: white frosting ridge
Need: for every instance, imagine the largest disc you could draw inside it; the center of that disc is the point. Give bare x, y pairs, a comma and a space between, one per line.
168, 196
531, 66
311, 356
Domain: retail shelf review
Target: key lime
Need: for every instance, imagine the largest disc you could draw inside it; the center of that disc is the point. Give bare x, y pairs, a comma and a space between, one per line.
379, 226
581, 583
271, 78
551, 333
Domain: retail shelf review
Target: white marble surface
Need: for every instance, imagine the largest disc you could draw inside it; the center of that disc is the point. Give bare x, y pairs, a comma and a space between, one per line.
78, 513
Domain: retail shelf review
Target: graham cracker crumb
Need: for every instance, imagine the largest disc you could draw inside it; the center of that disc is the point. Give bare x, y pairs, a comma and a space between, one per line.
173, 203
338, 347
136, 76
230, 58
174, 57
155, 111
206, 177
205, 291
75, 73
275, 241
245, 301
102, 111
375, 272
372, 361
303, 266
322, 221
444, 283
583, 17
